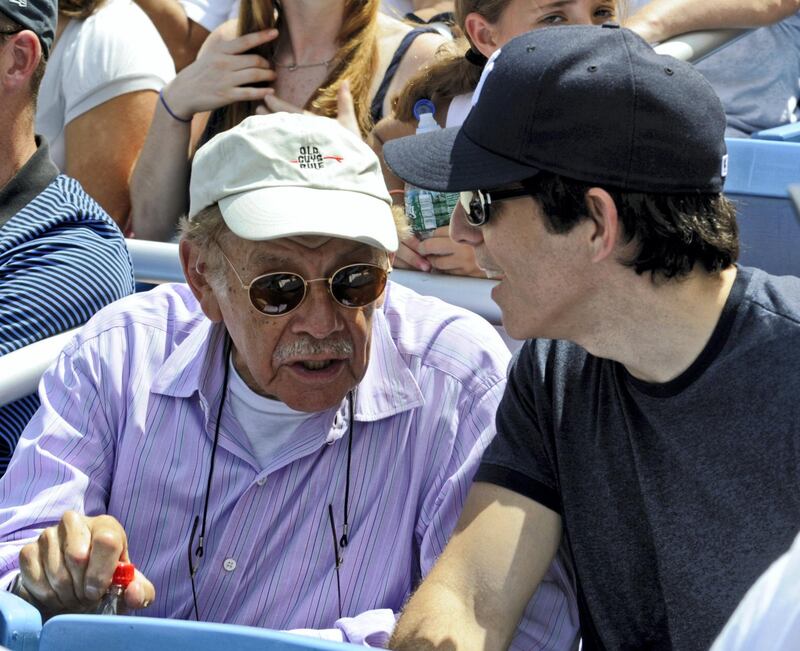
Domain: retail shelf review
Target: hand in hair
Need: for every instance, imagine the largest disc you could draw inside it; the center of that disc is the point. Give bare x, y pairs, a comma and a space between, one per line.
221, 75
345, 109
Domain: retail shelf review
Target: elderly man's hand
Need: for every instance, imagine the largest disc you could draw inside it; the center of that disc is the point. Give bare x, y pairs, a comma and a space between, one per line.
69, 568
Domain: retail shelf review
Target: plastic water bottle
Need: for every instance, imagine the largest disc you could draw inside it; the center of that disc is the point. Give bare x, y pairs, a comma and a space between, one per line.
112, 602
427, 210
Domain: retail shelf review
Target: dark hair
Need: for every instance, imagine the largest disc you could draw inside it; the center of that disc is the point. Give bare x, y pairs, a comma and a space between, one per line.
6, 24
672, 232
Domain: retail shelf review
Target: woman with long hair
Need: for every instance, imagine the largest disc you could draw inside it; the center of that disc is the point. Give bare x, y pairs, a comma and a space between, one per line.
449, 82
288, 55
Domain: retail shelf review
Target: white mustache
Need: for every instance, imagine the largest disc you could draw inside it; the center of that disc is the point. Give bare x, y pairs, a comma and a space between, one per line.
308, 347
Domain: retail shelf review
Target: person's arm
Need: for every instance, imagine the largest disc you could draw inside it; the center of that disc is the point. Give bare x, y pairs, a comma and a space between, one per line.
421, 51
659, 20
182, 35
447, 256
220, 76
390, 128
438, 252
102, 146
54, 496
75, 269
478, 590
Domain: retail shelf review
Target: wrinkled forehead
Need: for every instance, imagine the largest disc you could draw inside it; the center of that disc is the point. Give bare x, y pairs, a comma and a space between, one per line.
315, 249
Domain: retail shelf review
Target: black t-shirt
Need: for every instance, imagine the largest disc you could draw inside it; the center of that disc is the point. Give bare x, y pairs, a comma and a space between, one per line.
674, 497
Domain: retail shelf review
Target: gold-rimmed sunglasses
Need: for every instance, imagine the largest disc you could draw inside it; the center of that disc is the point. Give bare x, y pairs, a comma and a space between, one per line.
281, 292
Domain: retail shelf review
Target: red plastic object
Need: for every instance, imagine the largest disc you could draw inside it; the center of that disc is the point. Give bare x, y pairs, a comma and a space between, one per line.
124, 574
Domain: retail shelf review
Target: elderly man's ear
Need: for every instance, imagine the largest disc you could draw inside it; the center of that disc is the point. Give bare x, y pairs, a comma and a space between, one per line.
196, 273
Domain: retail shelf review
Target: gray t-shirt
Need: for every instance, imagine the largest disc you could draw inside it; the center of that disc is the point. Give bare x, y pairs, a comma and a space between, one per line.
674, 497
758, 77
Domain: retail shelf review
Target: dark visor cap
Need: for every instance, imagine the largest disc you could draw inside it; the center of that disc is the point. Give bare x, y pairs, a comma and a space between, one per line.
595, 104
39, 16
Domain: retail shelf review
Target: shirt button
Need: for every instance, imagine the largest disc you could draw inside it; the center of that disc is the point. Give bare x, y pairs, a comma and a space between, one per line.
261, 481
229, 564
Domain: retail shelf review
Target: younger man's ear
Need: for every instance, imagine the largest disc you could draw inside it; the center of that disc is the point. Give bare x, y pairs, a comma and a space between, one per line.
21, 58
602, 211
196, 273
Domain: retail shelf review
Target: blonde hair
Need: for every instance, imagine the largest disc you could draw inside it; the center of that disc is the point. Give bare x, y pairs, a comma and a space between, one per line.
356, 60
452, 74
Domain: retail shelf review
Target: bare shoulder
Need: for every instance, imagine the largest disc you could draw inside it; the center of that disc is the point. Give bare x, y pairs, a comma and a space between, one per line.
390, 128
391, 30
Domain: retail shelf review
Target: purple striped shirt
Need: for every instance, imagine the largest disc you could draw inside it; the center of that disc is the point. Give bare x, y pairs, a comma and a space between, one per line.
126, 427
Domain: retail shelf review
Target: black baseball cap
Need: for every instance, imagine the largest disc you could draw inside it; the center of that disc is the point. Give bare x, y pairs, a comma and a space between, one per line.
595, 104
39, 16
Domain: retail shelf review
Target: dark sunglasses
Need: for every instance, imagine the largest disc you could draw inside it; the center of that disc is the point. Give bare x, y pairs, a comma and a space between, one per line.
11, 32
281, 292
477, 204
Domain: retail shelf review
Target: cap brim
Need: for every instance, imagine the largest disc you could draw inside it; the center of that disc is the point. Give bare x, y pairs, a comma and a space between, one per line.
272, 213
448, 161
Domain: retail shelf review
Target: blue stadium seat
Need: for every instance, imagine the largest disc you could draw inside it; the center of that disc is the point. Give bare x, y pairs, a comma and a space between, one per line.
785, 133
20, 623
81, 632
21, 630
759, 175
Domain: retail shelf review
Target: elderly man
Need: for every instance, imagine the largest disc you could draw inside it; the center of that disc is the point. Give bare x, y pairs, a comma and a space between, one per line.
307, 429
61, 256
652, 417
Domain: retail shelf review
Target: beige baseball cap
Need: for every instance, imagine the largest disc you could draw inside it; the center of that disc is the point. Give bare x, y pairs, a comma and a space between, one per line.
289, 174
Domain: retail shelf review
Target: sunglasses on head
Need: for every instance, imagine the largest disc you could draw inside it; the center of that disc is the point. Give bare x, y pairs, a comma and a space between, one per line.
477, 204
281, 292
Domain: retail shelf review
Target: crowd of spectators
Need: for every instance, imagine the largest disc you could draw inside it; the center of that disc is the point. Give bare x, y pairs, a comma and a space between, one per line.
163, 120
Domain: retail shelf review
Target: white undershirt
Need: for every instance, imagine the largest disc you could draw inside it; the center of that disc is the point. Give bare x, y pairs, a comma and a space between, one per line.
269, 424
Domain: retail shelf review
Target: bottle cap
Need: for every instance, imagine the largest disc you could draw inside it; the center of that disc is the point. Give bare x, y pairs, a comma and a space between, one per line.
124, 574
423, 106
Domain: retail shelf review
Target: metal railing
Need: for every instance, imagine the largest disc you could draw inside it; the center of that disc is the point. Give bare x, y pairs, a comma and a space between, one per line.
21, 369
696, 46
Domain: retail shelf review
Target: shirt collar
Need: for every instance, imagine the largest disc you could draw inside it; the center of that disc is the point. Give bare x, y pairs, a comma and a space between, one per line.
28, 182
196, 365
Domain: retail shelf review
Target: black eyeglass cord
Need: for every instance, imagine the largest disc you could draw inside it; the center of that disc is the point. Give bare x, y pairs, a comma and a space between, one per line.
226, 356
338, 547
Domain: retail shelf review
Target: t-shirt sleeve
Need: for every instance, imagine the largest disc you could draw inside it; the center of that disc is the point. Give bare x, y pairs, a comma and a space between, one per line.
210, 13
519, 457
116, 51
65, 456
